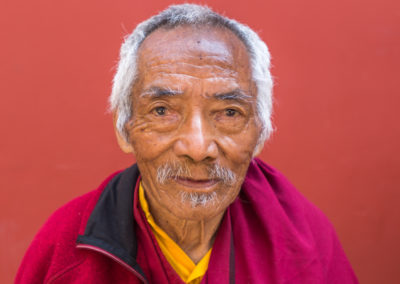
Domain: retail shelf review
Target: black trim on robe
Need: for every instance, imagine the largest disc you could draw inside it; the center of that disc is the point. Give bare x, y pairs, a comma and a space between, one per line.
111, 225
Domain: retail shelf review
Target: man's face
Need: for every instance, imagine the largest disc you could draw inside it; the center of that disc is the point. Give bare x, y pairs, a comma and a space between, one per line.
194, 126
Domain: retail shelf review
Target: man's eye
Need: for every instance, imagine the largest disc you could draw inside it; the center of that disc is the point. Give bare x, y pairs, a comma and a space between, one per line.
160, 110
230, 112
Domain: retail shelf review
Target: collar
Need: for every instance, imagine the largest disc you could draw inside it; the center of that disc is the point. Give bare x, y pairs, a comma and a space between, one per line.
174, 254
110, 226
110, 230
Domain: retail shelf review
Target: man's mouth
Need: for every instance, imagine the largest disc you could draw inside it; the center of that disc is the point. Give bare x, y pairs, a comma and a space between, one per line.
196, 183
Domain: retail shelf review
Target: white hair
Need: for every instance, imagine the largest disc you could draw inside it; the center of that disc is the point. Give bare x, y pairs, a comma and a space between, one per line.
178, 169
199, 199
196, 15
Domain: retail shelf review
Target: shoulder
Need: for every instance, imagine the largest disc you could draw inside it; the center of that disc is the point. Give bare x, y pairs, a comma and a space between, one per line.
274, 198
53, 247
298, 220
67, 221
289, 200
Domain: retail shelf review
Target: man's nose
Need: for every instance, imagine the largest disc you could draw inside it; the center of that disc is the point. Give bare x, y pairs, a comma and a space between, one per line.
196, 140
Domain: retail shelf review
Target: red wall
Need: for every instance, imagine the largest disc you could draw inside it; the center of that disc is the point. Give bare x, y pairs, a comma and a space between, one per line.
336, 67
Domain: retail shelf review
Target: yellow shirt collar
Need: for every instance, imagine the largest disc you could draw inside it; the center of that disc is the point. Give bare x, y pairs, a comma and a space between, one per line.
177, 258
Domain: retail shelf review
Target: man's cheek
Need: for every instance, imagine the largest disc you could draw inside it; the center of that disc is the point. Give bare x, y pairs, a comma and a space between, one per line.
152, 148
237, 149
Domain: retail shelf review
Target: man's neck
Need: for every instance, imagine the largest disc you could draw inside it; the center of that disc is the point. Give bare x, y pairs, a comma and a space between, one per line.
194, 237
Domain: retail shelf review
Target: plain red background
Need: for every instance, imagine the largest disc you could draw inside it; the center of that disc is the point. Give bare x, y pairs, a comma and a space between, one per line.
336, 68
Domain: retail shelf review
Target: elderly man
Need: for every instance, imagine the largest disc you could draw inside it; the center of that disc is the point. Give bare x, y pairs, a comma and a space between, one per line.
192, 101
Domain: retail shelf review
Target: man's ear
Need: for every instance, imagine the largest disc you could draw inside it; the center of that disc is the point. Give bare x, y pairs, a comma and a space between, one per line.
258, 149
125, 146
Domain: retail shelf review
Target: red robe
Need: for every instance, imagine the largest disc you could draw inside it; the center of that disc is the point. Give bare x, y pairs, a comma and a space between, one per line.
269, 234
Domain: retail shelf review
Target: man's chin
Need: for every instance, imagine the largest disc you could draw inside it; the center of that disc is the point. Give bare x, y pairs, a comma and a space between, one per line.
197, 207
199, 199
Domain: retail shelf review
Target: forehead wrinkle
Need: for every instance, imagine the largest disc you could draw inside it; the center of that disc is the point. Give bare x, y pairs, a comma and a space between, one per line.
166, 67
187, 58
197, 44
162, 79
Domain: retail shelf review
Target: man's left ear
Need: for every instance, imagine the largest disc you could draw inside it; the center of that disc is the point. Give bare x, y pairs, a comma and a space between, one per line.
260, 142
258, 149
125, 146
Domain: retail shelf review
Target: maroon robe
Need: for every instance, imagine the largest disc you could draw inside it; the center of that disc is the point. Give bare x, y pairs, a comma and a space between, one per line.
269, 234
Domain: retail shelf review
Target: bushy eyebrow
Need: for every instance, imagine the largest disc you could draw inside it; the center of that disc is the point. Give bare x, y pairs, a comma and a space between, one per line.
236, 95
159, 92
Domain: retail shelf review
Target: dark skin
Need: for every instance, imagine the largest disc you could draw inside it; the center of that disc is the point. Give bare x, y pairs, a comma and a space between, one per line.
194, 102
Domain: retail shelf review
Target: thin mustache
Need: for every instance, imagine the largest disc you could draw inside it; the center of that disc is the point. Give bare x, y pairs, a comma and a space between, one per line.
175, 170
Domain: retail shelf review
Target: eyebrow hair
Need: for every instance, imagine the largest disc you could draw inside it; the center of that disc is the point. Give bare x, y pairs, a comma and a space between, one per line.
158, 92
236, 94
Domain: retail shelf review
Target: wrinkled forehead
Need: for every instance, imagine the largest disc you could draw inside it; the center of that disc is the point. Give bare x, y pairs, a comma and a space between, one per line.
200, 45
